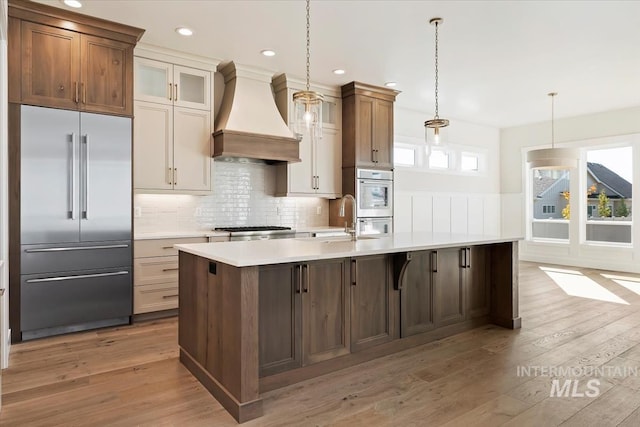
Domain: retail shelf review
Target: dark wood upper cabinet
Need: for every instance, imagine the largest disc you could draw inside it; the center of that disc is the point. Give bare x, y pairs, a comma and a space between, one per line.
70, 61
50, 66
367, 122
106, 83
373, 302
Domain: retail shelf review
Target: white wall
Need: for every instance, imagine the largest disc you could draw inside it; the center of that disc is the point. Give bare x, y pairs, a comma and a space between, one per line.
4, 230
446, 201
582, 131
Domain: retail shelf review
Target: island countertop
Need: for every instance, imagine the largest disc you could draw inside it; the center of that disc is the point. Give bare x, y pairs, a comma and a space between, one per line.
277, 251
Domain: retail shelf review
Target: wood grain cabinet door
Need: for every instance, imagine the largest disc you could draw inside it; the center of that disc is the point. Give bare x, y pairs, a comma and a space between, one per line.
280, 343
477, 281
325, 310
416, 296
50, 66
372, 314
107, 76
383, 134
448, 282
365, 111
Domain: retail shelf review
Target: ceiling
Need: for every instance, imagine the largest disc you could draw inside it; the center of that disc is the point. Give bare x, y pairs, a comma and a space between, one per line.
498, 59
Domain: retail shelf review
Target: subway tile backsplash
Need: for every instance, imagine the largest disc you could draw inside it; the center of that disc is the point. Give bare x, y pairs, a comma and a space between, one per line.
242, 195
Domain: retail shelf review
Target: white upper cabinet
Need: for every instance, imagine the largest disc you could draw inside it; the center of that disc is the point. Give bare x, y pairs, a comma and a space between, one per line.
172, 84
172, 123
319, 173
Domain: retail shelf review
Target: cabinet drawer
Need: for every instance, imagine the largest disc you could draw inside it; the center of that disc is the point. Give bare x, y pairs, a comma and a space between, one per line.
161, 247
148, 271
160, 296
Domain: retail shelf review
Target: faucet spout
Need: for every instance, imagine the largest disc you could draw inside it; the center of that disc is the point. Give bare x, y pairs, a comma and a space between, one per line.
352, 231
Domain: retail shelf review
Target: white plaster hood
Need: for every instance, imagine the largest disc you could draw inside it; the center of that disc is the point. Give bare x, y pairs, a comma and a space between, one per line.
248, 123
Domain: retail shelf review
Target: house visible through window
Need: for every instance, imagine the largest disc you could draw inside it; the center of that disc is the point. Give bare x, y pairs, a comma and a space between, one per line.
609, 195
550, 203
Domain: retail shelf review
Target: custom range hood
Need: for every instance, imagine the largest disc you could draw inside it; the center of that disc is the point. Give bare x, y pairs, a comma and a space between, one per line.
249, 124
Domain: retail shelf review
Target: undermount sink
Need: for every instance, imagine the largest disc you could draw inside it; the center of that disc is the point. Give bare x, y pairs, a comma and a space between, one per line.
334, 239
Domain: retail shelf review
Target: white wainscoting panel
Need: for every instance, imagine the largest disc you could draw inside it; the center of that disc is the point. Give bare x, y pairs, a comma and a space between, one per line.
422, 213
442, 214
475, 215
459, 214
447, 213
402, 213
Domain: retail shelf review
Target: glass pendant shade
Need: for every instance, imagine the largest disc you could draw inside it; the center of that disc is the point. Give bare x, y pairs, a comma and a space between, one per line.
434, 133
308, 113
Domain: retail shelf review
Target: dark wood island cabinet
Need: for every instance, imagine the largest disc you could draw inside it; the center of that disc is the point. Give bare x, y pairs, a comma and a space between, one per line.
255, 316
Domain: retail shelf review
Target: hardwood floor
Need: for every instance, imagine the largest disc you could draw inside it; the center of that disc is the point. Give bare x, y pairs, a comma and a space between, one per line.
131, 376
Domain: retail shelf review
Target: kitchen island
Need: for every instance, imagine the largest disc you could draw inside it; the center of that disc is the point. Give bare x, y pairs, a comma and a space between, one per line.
259, 315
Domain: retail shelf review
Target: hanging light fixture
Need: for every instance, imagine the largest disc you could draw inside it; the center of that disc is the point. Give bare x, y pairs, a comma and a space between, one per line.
436, 123
553, 158
307, 103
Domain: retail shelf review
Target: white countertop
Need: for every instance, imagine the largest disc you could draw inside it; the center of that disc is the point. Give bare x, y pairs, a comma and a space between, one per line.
277, 251
178, 234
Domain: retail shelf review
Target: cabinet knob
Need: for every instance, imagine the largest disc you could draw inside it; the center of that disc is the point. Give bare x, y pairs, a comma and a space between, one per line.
61, 88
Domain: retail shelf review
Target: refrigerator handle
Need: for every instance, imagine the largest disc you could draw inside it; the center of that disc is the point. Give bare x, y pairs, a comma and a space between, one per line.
72, 177
85, 179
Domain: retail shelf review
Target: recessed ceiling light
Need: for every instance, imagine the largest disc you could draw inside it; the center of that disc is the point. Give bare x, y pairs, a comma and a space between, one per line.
184, 31
72, 3
268, 52
390, 84
339, 71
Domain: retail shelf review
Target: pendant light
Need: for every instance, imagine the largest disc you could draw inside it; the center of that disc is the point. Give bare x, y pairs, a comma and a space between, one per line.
553, 158
436, 123
307, 104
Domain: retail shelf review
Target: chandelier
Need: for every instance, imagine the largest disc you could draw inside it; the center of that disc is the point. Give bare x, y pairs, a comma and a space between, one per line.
553, 158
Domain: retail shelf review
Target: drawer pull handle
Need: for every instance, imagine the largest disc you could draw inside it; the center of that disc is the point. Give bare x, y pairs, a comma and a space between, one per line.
169, 296
170, 269
167, 247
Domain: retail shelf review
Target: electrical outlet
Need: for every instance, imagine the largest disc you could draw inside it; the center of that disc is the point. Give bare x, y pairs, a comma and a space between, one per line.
137, 211
318, 210
278, 210
198, 212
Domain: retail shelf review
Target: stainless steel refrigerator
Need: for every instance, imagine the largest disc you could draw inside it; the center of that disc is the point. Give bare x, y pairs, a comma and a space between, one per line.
75, 221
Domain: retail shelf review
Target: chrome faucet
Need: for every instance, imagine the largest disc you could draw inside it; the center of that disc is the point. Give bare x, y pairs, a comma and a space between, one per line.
351, 231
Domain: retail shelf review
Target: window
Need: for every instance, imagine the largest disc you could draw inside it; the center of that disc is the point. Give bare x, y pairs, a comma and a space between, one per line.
404, 156
438, 159
469, 162
609, 178
550, 204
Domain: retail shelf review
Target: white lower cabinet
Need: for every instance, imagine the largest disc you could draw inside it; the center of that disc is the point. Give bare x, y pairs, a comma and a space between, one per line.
155, 274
